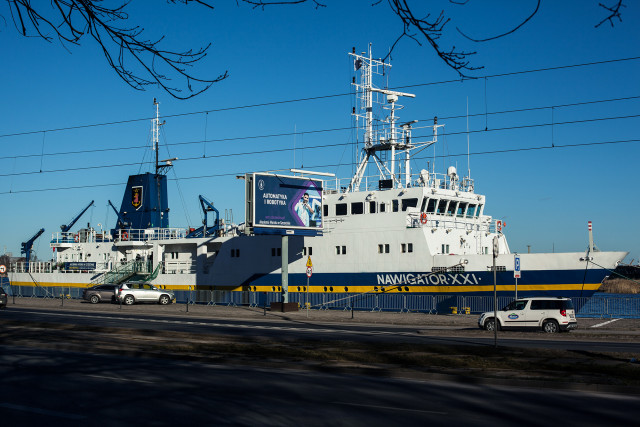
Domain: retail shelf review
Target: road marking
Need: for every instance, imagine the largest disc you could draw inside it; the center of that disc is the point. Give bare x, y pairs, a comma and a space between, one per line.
41, 411
393, 408
605, 323
228, 325
104, 377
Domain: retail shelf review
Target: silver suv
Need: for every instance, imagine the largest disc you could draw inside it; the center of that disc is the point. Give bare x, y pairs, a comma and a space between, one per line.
547, 313
131, 292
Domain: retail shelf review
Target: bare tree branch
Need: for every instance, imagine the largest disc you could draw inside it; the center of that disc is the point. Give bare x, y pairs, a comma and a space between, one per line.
504, 34
431, 30
262, 3
615, 13
138, 61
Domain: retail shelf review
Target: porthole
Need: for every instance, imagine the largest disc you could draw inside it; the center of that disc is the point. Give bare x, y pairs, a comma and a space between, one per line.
273, 288
406, 288
375, 289
331, 288
346, 289
298, 288
325, 289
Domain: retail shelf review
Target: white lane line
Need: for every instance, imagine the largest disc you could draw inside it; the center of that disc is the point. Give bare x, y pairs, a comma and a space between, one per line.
104, 377
40, 411
605, 323
226, 325
392, 408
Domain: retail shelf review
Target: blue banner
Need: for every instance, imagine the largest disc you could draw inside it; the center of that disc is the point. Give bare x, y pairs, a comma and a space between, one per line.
287, 202
77, 266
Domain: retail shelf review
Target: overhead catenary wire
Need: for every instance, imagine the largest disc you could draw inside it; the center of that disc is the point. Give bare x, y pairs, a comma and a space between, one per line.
235, 174
320, 97
353, 128
463, 132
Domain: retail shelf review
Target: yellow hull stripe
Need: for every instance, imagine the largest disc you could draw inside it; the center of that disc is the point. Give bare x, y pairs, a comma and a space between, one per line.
354, 289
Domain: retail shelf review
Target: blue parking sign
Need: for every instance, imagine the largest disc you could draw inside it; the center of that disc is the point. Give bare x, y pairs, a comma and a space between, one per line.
516, 267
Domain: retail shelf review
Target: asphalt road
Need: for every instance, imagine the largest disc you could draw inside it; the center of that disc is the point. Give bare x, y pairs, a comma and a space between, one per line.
300, 328
51, 387
82, 364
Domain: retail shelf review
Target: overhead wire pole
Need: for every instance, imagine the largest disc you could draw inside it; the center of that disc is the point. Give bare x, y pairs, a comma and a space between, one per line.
495, 293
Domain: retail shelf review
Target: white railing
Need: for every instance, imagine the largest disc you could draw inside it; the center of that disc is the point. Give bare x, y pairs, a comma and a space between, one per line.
179, 267
446, 222
370, 183
136, 235
91, 236
52, 267
151, 234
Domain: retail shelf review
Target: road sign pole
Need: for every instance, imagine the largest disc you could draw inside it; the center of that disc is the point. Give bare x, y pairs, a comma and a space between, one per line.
309, 273
516, 271
285, 268
306, 299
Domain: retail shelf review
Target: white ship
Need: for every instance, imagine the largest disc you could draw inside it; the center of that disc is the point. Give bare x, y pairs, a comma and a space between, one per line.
395, 232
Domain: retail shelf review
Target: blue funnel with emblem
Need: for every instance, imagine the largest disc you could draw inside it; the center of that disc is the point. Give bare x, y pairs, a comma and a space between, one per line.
144, 204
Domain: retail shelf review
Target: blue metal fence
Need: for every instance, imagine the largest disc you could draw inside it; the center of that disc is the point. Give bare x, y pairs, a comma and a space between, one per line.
599, 305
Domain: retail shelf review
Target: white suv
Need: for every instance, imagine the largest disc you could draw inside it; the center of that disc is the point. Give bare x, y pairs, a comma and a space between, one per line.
132, 292
547, 313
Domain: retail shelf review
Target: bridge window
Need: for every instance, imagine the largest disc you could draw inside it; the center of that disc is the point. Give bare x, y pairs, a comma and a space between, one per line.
357, 208
471, 211
461, 208
431, 207
424, 204
442, 207
409, 203
451, 209
341, 209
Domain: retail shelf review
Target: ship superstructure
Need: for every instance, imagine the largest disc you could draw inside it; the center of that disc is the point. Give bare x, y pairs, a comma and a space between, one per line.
390, 232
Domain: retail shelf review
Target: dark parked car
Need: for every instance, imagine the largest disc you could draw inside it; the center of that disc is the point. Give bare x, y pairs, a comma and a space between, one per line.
3, 298
100, 293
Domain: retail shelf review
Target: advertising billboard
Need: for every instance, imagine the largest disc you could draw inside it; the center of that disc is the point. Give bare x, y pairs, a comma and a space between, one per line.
285, 204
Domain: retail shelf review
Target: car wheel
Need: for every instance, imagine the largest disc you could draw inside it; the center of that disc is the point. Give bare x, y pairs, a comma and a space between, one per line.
489, 324
94, 299
128, 300
164, 299
551, 327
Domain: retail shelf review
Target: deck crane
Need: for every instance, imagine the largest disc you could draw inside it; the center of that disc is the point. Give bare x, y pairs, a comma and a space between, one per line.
122, 223
66, 227
205, 230
26, 247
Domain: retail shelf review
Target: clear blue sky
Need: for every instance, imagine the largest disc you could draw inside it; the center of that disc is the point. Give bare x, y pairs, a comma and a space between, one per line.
546, 195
